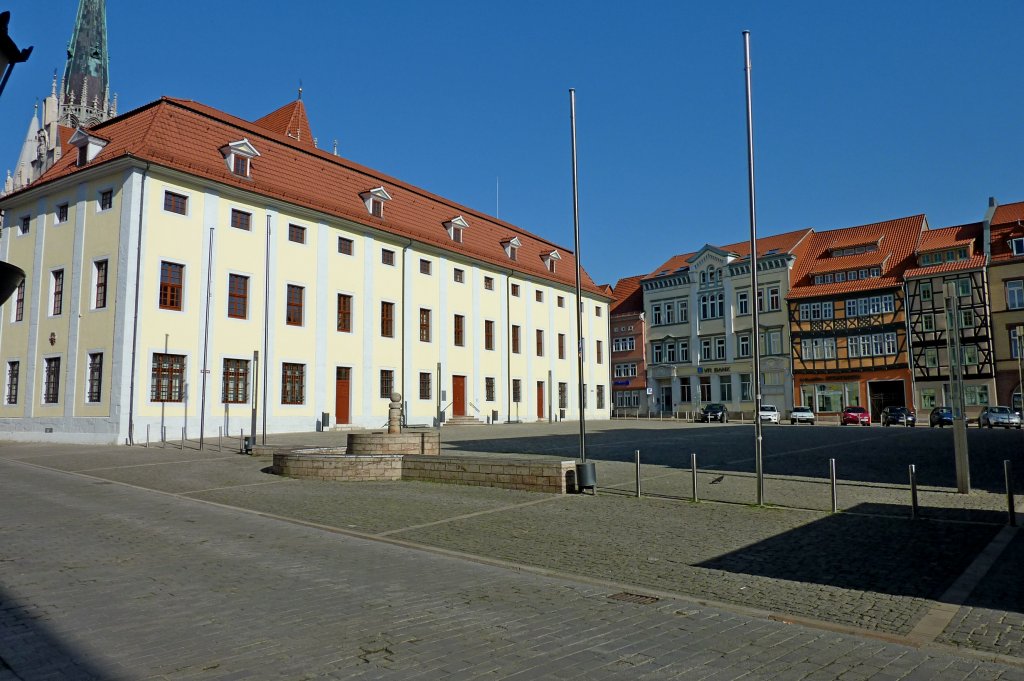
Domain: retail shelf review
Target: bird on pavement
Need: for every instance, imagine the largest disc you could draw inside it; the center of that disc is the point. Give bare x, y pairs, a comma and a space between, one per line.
717, 480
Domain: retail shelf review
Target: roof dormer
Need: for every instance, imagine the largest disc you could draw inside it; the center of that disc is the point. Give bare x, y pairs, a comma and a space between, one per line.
374, 200
238, 157
511, 247
455, 226
550, 259
88, 145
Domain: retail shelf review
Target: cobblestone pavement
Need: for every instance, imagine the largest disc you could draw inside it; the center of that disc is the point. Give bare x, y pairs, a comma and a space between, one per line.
870, 568
108, 581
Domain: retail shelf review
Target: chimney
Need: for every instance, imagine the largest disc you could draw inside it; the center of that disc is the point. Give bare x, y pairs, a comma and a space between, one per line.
986, 228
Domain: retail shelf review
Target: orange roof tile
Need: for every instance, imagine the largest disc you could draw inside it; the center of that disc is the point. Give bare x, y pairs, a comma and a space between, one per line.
786, 242
628, 295
901, 239
1000, 242
972, 263
289, 120
1008, 213
188, 136
842, 263
951, 237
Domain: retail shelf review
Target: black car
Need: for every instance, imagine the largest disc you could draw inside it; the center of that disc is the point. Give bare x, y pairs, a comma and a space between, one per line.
940, 416
901, 416
714, 412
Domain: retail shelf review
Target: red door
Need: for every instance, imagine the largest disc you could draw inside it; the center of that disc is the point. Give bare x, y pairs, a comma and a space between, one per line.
341, 395
459, 395
540, 399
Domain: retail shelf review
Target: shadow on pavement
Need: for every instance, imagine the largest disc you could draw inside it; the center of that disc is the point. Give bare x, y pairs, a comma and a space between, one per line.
901, 557
30, 650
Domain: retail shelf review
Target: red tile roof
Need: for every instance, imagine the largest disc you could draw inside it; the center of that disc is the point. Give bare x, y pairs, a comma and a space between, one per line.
951, 237
187, 136
787, 242
959, 236
1008, 213
901, 239
972, 263
289, 120
842, 263
628, 295
1000, 242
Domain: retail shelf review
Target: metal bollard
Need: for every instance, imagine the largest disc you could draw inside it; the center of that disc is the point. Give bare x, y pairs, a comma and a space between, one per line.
1011, 509
220, 434
241, 441
693, 473
832, 481
638, 474
913, 492
147, 436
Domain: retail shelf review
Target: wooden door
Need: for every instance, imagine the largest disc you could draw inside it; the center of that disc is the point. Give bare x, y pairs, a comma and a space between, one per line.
540, 399
458, 395
341, 395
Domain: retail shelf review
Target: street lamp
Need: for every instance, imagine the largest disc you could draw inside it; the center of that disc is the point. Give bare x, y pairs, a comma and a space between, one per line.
9, 52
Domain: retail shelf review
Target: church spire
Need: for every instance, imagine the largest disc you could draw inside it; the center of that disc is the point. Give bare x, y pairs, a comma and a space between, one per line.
88, 69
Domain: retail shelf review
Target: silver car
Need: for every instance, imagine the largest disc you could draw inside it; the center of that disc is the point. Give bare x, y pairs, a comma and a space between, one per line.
999, 416
801, 415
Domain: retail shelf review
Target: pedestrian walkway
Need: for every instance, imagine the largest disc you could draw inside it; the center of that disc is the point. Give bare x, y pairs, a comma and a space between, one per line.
105, 580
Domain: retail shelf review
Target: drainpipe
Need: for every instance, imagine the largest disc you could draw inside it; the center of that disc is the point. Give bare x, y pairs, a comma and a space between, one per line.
986, 228
135, 319
508, 347
266, 332
405, 340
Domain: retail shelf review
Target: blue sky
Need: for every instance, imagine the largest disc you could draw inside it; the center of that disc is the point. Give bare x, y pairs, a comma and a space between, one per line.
863, 111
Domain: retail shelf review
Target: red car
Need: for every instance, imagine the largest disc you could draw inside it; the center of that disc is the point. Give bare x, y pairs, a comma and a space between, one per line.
855, 415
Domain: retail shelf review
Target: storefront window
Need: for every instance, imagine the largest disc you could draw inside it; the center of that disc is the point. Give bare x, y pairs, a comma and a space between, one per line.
928, 398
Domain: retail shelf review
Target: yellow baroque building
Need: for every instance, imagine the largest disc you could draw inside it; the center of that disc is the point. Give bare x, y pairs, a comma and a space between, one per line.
187, 268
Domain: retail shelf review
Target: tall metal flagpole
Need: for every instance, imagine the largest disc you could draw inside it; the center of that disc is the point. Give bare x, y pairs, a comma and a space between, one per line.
579, 298
756, 332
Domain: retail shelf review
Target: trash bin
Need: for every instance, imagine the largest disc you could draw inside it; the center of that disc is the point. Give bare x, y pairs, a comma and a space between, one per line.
561, 414
586, 476
325, 420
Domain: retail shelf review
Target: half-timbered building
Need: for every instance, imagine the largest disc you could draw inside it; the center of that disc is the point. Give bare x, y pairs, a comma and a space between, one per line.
847, 317
949, 275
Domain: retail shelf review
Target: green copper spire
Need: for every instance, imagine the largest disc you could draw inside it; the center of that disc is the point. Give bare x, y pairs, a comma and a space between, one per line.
86, 87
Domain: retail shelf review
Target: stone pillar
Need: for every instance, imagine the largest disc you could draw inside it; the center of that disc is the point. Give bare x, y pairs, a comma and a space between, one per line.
395, 414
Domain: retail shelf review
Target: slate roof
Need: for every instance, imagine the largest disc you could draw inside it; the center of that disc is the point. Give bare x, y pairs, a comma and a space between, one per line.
896, 250
187, 136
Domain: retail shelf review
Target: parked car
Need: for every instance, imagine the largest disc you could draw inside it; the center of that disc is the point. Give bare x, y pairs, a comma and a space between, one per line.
854, 416
769, 413
901, 416
940, 416
999, 416
801, 415
714, 412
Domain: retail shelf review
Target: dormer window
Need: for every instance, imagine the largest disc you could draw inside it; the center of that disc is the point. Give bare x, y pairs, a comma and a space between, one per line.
511, 247
1017, 245
89, 146
550, 259
374, 201
455, 226
238, 157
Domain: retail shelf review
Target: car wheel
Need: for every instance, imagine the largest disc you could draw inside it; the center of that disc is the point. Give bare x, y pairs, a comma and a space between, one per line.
811, 422
990, 425
792, 422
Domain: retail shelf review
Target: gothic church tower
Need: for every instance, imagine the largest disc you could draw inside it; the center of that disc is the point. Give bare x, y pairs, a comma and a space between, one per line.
83, 100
